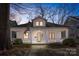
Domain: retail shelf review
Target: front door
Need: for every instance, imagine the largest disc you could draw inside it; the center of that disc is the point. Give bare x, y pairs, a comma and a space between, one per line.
38, 37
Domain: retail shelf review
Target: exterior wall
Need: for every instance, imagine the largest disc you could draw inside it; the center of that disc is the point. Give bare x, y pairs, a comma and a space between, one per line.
38, 20
19, 33
45, 31
46, 40
34, 40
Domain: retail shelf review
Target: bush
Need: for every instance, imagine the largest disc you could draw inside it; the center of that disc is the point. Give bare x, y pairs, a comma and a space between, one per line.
54, 45
27, 45
69, 42
18, 42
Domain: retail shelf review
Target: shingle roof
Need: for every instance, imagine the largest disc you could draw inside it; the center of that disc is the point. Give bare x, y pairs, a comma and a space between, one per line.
12, 23
75, 17
30, 24
49, 24
72, 20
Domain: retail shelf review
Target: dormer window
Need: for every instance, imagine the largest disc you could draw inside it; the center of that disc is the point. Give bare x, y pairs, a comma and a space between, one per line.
39, 23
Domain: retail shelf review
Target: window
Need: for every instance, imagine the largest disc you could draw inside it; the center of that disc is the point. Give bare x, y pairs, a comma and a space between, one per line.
41, 23
13, 34
26, 35
37, 23
39, 36
51, 35
63, 34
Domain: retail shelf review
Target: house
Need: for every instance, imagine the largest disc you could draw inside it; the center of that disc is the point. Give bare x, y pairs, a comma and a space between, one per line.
73, 23
39, 31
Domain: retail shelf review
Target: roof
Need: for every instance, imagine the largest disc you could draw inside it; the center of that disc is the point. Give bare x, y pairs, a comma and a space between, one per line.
49, 24
30, 24
12, 23
75, 17
72, 20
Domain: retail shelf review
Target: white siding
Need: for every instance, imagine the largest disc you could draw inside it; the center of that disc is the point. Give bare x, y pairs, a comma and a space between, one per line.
45, 31
39, 20
20, 33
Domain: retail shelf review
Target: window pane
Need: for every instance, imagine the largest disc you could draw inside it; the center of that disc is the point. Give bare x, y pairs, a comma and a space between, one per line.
37, 23
63, 34
41, 23
13, 34
39, 36
51, 35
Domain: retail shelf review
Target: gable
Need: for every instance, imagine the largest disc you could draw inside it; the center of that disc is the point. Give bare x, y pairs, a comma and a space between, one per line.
39, 21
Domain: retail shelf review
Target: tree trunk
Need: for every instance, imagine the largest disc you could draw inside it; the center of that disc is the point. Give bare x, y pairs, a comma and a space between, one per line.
4, 29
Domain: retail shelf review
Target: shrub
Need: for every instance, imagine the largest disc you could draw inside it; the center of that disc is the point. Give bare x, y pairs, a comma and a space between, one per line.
77, 37
18, 42
27, 45
69, 42
55, 45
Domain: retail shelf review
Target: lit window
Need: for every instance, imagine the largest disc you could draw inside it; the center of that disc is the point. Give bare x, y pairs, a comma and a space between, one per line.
39, 36
41, 23
51, 35
37, 23
26, 35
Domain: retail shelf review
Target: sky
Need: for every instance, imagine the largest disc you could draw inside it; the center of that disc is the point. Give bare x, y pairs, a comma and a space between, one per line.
22, 13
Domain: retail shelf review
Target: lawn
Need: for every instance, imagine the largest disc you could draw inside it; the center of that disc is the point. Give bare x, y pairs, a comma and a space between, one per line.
24, 51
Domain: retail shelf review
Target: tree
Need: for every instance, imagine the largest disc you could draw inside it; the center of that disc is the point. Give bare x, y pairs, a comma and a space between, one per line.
64, 11
59, 12
4, 29
46, 12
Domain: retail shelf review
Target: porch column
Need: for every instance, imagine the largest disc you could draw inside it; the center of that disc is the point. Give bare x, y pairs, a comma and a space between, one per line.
46, 37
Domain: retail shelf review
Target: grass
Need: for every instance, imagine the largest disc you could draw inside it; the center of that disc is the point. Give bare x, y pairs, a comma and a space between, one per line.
51, 50
23, 51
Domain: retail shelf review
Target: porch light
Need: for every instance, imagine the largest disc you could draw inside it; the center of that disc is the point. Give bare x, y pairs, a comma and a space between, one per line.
26, 35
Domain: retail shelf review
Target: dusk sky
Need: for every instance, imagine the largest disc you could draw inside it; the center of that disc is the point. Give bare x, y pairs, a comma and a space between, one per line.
22, 13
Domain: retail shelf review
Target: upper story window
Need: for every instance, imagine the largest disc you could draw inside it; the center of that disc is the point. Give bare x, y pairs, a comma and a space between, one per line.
37, 23
40, 23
